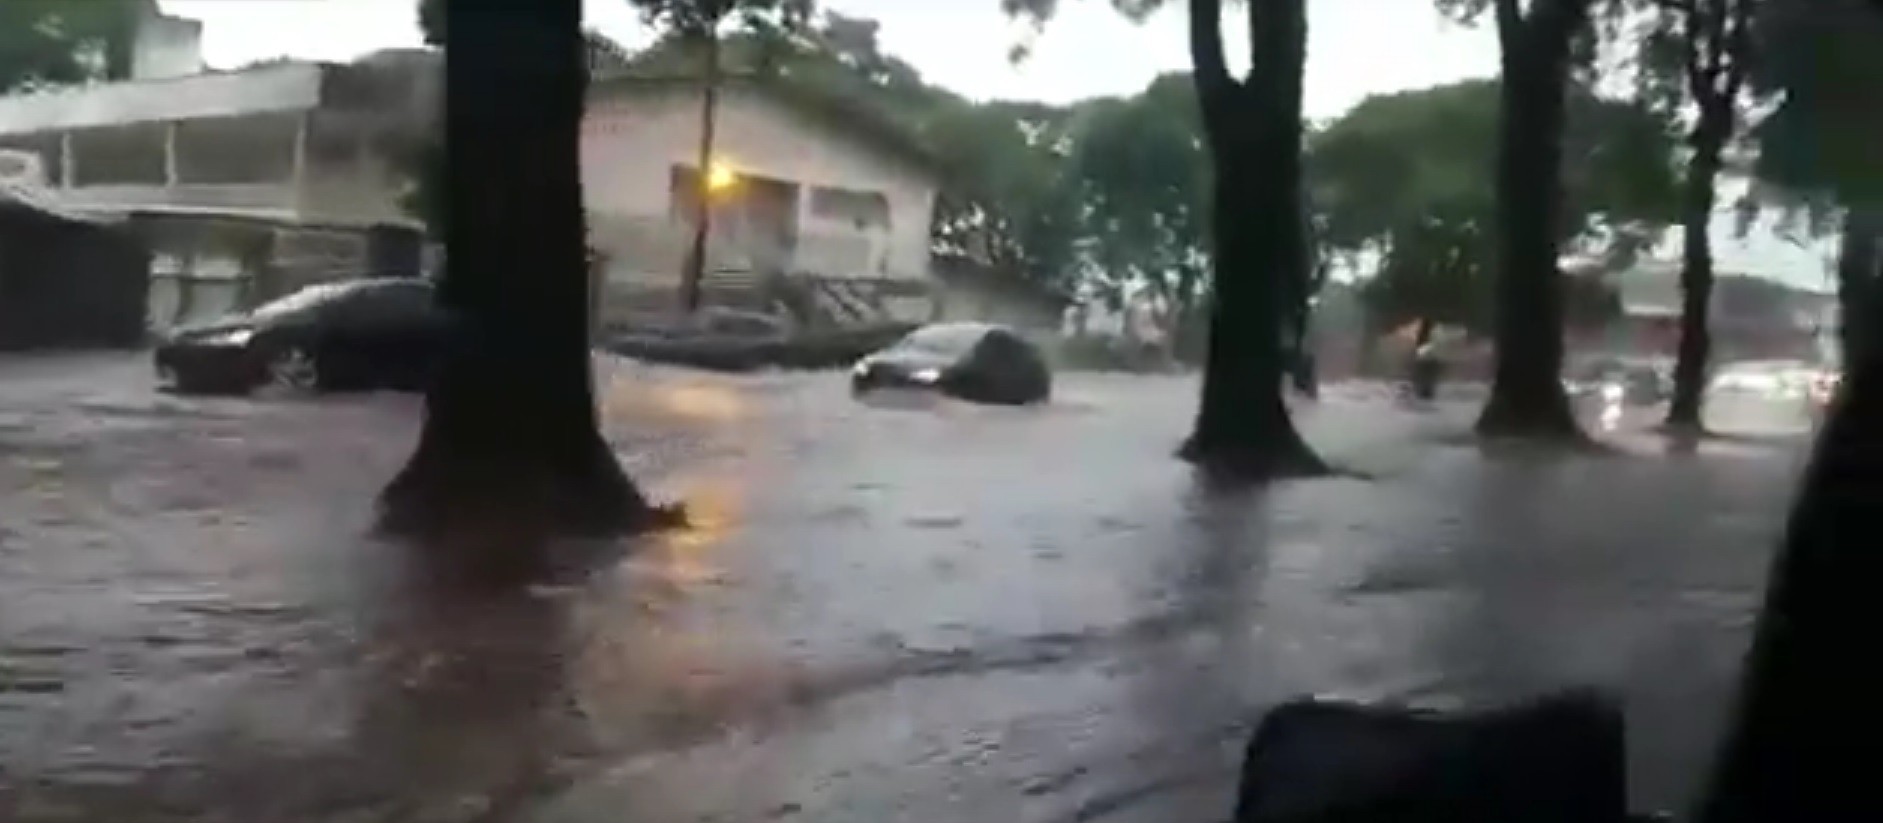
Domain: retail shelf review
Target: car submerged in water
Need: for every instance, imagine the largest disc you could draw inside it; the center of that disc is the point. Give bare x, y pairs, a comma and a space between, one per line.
1630, 381
355, 335
977, 362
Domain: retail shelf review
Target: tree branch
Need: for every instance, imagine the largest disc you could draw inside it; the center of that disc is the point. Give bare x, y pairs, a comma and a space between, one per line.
1715, 22
1690, 35
1739, 46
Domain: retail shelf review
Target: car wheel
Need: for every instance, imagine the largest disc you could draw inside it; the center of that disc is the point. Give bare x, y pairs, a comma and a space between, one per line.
294, 368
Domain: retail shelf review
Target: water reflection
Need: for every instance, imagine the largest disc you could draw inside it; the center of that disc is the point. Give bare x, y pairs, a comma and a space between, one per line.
694, 399
1610, 417
655, 662
464, 710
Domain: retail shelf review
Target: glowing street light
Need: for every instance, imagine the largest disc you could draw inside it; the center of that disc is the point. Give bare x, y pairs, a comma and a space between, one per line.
720, 177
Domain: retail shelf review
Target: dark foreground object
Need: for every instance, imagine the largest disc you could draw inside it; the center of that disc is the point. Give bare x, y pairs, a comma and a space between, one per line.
1559, 759
67, 282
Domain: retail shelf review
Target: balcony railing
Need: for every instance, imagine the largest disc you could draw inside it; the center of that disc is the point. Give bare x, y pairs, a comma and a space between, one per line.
286, 87
257, 198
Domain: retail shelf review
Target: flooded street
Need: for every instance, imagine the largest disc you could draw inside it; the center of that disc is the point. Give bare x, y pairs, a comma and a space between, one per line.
923, 612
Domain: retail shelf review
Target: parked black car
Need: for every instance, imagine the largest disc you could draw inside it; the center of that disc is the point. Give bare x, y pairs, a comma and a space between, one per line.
351, 335
972, 361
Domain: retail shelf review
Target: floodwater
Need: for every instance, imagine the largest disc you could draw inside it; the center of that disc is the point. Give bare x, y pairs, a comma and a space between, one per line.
910, 611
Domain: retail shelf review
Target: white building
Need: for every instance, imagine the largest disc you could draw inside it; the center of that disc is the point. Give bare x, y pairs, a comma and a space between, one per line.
822, 190
245, 183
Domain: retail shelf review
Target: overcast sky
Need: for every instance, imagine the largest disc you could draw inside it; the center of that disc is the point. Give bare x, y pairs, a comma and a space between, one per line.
1356, 48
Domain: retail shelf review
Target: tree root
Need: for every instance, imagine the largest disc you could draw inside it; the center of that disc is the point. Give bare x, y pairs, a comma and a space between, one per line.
454, 499
1246, 463
1548, 422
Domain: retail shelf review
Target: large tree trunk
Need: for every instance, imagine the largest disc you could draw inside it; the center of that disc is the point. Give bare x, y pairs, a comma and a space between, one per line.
1804, 705
1859, 268
1254, 129
1527, 398
1696, 274
510, 447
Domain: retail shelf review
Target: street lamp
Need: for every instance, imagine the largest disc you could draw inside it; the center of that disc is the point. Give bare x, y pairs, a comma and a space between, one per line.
720, 177
713, 183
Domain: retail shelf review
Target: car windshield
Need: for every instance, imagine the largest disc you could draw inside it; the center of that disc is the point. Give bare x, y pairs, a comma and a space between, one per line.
953, 340
303, 299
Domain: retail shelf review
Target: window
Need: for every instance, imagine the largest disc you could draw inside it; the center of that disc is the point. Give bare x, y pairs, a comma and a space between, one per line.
862, 209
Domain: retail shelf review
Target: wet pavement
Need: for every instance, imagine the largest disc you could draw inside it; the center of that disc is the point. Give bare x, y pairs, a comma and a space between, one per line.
920, 611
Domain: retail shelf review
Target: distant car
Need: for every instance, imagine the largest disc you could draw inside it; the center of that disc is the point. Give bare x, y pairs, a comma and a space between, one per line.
972, 361
351, 335
1772, 378
1633, 381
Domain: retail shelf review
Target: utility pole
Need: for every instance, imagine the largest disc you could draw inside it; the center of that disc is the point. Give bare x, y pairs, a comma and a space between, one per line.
695, 272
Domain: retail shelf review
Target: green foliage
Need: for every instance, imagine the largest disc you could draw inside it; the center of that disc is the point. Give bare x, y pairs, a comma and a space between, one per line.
56, 42
1436, 268
1042, 10
1826, 57
697, 18
1144, 176
1407, 178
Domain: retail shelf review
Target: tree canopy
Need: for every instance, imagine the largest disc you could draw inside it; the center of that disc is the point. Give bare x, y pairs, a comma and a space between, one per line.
1403, 178
56, 42
695, 18
1144, 178
1823, 56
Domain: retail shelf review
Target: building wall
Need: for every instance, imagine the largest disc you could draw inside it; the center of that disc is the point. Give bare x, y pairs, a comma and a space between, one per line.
347, 181
977, 300
284, 87
633, 139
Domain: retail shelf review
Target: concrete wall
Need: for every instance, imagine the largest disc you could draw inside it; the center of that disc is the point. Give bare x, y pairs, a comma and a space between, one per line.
347, 180
203, 268
285, 87
973, 299
634, 136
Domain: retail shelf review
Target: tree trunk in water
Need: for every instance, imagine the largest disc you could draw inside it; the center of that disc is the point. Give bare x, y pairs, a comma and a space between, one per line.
510, 449
1803, 702
1242, 428
1696, 274
1527, 398
1859, 268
